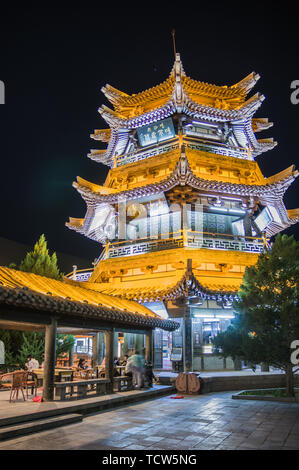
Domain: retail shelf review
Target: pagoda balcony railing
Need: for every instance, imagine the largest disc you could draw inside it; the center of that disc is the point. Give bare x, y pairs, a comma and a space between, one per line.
219, 148
147, 152
81, 275
185, 239
194, 143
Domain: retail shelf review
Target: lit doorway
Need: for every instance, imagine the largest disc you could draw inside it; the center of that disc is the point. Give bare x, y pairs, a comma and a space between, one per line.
162, 349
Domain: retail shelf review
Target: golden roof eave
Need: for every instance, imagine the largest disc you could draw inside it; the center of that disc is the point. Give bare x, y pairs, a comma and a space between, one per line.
69, 291
237, 91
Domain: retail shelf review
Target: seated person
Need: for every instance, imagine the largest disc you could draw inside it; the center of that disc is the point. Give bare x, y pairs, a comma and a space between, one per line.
149, 375
125, 360
82, 364
32, 363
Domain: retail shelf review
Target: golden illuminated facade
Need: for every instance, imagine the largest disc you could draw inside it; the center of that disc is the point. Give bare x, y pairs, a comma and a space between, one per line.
185, 207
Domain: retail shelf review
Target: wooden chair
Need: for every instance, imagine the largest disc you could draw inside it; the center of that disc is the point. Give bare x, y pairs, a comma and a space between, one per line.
16, 383
31, 381
85, 374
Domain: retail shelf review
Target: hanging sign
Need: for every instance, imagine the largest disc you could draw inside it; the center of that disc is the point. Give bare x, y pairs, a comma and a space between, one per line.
156, 132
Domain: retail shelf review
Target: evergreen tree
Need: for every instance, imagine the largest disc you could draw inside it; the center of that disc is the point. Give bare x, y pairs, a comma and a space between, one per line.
39, 261
20, 345
64, 344
267, 311
34, 345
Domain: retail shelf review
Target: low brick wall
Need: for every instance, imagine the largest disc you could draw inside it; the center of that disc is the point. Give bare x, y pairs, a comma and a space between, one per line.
245, 382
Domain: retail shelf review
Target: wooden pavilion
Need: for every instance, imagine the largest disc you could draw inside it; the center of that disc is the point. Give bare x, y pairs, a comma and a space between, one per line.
37, 303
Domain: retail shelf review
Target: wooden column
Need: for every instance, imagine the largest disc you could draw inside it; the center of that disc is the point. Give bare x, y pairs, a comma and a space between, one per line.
71, 357
149, 346
109, 343
95, 349
188, 343
50, 361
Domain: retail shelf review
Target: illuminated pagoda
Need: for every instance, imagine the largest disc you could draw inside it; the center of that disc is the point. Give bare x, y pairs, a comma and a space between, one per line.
185, 207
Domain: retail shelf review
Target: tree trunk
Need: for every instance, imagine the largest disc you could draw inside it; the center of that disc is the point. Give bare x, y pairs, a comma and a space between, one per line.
289, 380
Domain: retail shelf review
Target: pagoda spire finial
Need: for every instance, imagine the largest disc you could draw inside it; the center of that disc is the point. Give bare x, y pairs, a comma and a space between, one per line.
173, 41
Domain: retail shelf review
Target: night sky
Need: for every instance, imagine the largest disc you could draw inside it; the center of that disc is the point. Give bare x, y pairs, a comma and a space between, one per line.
55, 61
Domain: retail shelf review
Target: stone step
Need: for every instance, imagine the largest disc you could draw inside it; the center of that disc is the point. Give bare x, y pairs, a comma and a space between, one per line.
84, 406
29, 427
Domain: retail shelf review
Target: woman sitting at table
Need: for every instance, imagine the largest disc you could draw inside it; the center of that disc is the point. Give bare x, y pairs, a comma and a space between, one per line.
31, 363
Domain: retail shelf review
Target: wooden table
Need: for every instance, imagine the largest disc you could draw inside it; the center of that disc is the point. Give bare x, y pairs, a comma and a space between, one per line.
120, 369
59, 374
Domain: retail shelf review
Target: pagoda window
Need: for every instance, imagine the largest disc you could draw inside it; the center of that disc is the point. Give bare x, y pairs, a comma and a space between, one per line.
203, 131
223, 224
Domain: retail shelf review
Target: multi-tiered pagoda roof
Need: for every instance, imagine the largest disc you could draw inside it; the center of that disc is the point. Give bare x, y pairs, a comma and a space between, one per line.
216, 160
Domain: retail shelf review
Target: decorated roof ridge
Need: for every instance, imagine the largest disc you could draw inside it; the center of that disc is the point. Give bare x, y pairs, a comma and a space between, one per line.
279, 182
293, 214
96, 188
191, 107
180, 288
102, 135
75, 222
44, 294
260, 124
247, 83
240, 89
283, 175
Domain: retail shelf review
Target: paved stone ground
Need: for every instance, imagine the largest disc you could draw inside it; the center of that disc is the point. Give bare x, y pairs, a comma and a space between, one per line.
211, 421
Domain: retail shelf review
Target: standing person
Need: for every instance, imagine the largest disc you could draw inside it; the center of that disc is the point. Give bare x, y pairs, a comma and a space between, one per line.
137, 366
128, 368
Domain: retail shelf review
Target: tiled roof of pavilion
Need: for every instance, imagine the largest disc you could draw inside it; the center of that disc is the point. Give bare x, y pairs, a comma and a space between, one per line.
175, 286
30, 291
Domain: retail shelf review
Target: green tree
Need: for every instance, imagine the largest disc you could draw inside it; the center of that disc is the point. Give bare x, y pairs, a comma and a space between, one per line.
267, 311
39, 261
64, 344
34, 345
19, 345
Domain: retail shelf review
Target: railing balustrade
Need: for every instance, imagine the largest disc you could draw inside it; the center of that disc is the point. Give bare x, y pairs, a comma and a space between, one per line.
187, 239
190, 142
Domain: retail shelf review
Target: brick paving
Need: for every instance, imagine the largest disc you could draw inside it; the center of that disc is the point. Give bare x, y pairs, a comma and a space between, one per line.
211, 421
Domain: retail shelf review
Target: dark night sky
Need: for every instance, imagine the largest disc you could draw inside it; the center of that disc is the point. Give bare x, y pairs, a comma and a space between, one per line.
54, 62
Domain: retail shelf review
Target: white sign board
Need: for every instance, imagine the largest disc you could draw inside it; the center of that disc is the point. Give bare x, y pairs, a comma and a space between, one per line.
2, 353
